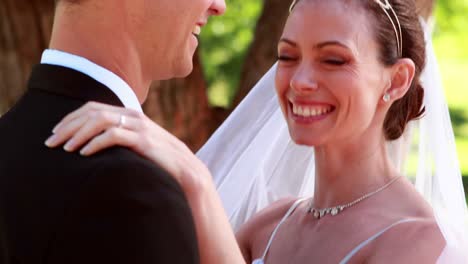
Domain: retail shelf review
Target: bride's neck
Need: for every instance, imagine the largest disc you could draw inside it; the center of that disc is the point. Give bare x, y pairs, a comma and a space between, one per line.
348, 171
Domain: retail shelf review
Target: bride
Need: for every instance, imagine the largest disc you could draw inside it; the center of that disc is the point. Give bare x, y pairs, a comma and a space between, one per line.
347, 83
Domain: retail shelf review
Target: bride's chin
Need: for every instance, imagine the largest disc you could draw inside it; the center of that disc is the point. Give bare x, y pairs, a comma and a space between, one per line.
307, 142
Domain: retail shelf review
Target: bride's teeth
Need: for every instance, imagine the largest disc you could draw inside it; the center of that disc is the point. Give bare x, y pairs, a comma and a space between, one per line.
299, 111
306, 111
197, 30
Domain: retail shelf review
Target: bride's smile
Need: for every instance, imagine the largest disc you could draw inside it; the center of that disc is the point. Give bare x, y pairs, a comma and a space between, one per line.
197, 29
305, 112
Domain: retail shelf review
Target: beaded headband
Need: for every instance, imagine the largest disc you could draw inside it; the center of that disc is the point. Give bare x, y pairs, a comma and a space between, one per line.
388, 9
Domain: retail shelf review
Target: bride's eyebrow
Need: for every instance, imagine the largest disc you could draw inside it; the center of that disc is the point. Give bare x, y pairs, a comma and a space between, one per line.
330, 43
320, 45
288, 41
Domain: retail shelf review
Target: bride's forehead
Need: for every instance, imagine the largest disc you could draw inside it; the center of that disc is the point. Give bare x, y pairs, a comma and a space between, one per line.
314, 23
331, 16
334, 5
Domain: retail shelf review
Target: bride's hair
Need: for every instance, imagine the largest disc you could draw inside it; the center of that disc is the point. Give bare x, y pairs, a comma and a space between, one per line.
410, 106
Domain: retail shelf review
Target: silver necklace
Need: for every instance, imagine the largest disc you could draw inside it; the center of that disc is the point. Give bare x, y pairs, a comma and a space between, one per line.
319, 213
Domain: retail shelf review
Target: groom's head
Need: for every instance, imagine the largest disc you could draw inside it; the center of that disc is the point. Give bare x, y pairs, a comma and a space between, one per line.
162, 34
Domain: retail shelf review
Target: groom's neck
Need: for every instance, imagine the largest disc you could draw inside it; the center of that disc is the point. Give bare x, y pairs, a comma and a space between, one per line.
101, 38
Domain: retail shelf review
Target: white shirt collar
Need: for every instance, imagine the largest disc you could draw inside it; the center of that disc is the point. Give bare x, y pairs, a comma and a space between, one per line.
118, 86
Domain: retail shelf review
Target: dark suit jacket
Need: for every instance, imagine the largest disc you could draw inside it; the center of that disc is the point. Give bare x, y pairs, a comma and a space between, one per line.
3, 249
58, 207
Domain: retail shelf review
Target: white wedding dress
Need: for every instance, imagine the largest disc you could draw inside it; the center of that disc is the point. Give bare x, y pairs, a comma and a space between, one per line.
254, 161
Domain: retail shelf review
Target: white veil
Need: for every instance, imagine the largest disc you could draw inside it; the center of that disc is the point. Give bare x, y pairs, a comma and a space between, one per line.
252, 157
254, 161
438, 176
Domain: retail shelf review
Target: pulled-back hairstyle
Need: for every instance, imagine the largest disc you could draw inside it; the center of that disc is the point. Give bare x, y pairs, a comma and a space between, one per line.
410, 106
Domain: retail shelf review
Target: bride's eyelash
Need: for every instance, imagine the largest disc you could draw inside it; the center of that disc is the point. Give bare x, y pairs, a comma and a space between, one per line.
335, 62
284, 58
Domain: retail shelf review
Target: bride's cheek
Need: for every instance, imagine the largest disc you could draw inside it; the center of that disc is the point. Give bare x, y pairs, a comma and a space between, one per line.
282, 81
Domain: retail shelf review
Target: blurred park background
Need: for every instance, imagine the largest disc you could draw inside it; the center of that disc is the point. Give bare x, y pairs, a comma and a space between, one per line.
235, 51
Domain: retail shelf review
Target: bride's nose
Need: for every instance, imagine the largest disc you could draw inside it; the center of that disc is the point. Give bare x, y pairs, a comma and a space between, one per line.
304, 80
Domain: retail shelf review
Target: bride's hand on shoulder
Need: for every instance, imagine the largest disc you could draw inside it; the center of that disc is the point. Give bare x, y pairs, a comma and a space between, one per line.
95, 127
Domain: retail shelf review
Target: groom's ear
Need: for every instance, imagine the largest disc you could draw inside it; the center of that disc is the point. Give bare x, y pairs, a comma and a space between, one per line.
402, 75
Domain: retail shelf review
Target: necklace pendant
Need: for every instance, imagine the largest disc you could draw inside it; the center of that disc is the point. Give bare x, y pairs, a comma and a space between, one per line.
322, 213
316, 214
334, 211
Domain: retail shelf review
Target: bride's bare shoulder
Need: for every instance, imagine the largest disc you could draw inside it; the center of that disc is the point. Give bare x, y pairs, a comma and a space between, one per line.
418, 241
258, 229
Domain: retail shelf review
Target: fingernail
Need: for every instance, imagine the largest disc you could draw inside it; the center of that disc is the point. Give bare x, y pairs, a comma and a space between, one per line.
69, 146
84, 151
55, 129
50, 142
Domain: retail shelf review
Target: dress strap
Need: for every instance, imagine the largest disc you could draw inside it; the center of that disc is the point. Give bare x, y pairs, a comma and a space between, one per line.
288, 213
372, 238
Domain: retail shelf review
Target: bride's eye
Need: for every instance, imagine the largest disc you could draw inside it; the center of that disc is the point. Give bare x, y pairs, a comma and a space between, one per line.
334, 62
285, 58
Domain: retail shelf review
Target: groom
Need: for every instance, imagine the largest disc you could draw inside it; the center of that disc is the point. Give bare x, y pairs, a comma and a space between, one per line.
114, 207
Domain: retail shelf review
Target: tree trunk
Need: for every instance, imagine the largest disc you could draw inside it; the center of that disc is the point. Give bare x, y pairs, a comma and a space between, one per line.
181, 106
25, 27
262, 53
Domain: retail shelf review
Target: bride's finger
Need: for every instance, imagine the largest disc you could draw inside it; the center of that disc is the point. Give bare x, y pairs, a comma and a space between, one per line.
112, 137
94, 128
88, 107
93, 109
66, 132
90, 129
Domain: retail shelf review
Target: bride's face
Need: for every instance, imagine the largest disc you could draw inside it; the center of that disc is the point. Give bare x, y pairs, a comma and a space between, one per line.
329, 80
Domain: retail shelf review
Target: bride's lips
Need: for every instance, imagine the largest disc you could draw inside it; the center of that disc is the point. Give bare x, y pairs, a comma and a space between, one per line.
197, 28
306, 112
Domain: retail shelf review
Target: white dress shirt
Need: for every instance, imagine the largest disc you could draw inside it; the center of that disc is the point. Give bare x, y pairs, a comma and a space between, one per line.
109, 79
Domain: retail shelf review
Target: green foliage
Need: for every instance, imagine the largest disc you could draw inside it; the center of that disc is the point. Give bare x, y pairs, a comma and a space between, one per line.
224, 43
450, 41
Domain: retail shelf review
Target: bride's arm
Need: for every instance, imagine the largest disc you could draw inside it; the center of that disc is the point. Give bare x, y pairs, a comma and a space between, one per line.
216, 239
101, 126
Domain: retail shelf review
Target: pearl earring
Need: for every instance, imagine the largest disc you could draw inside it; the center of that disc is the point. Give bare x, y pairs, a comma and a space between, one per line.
386, 97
